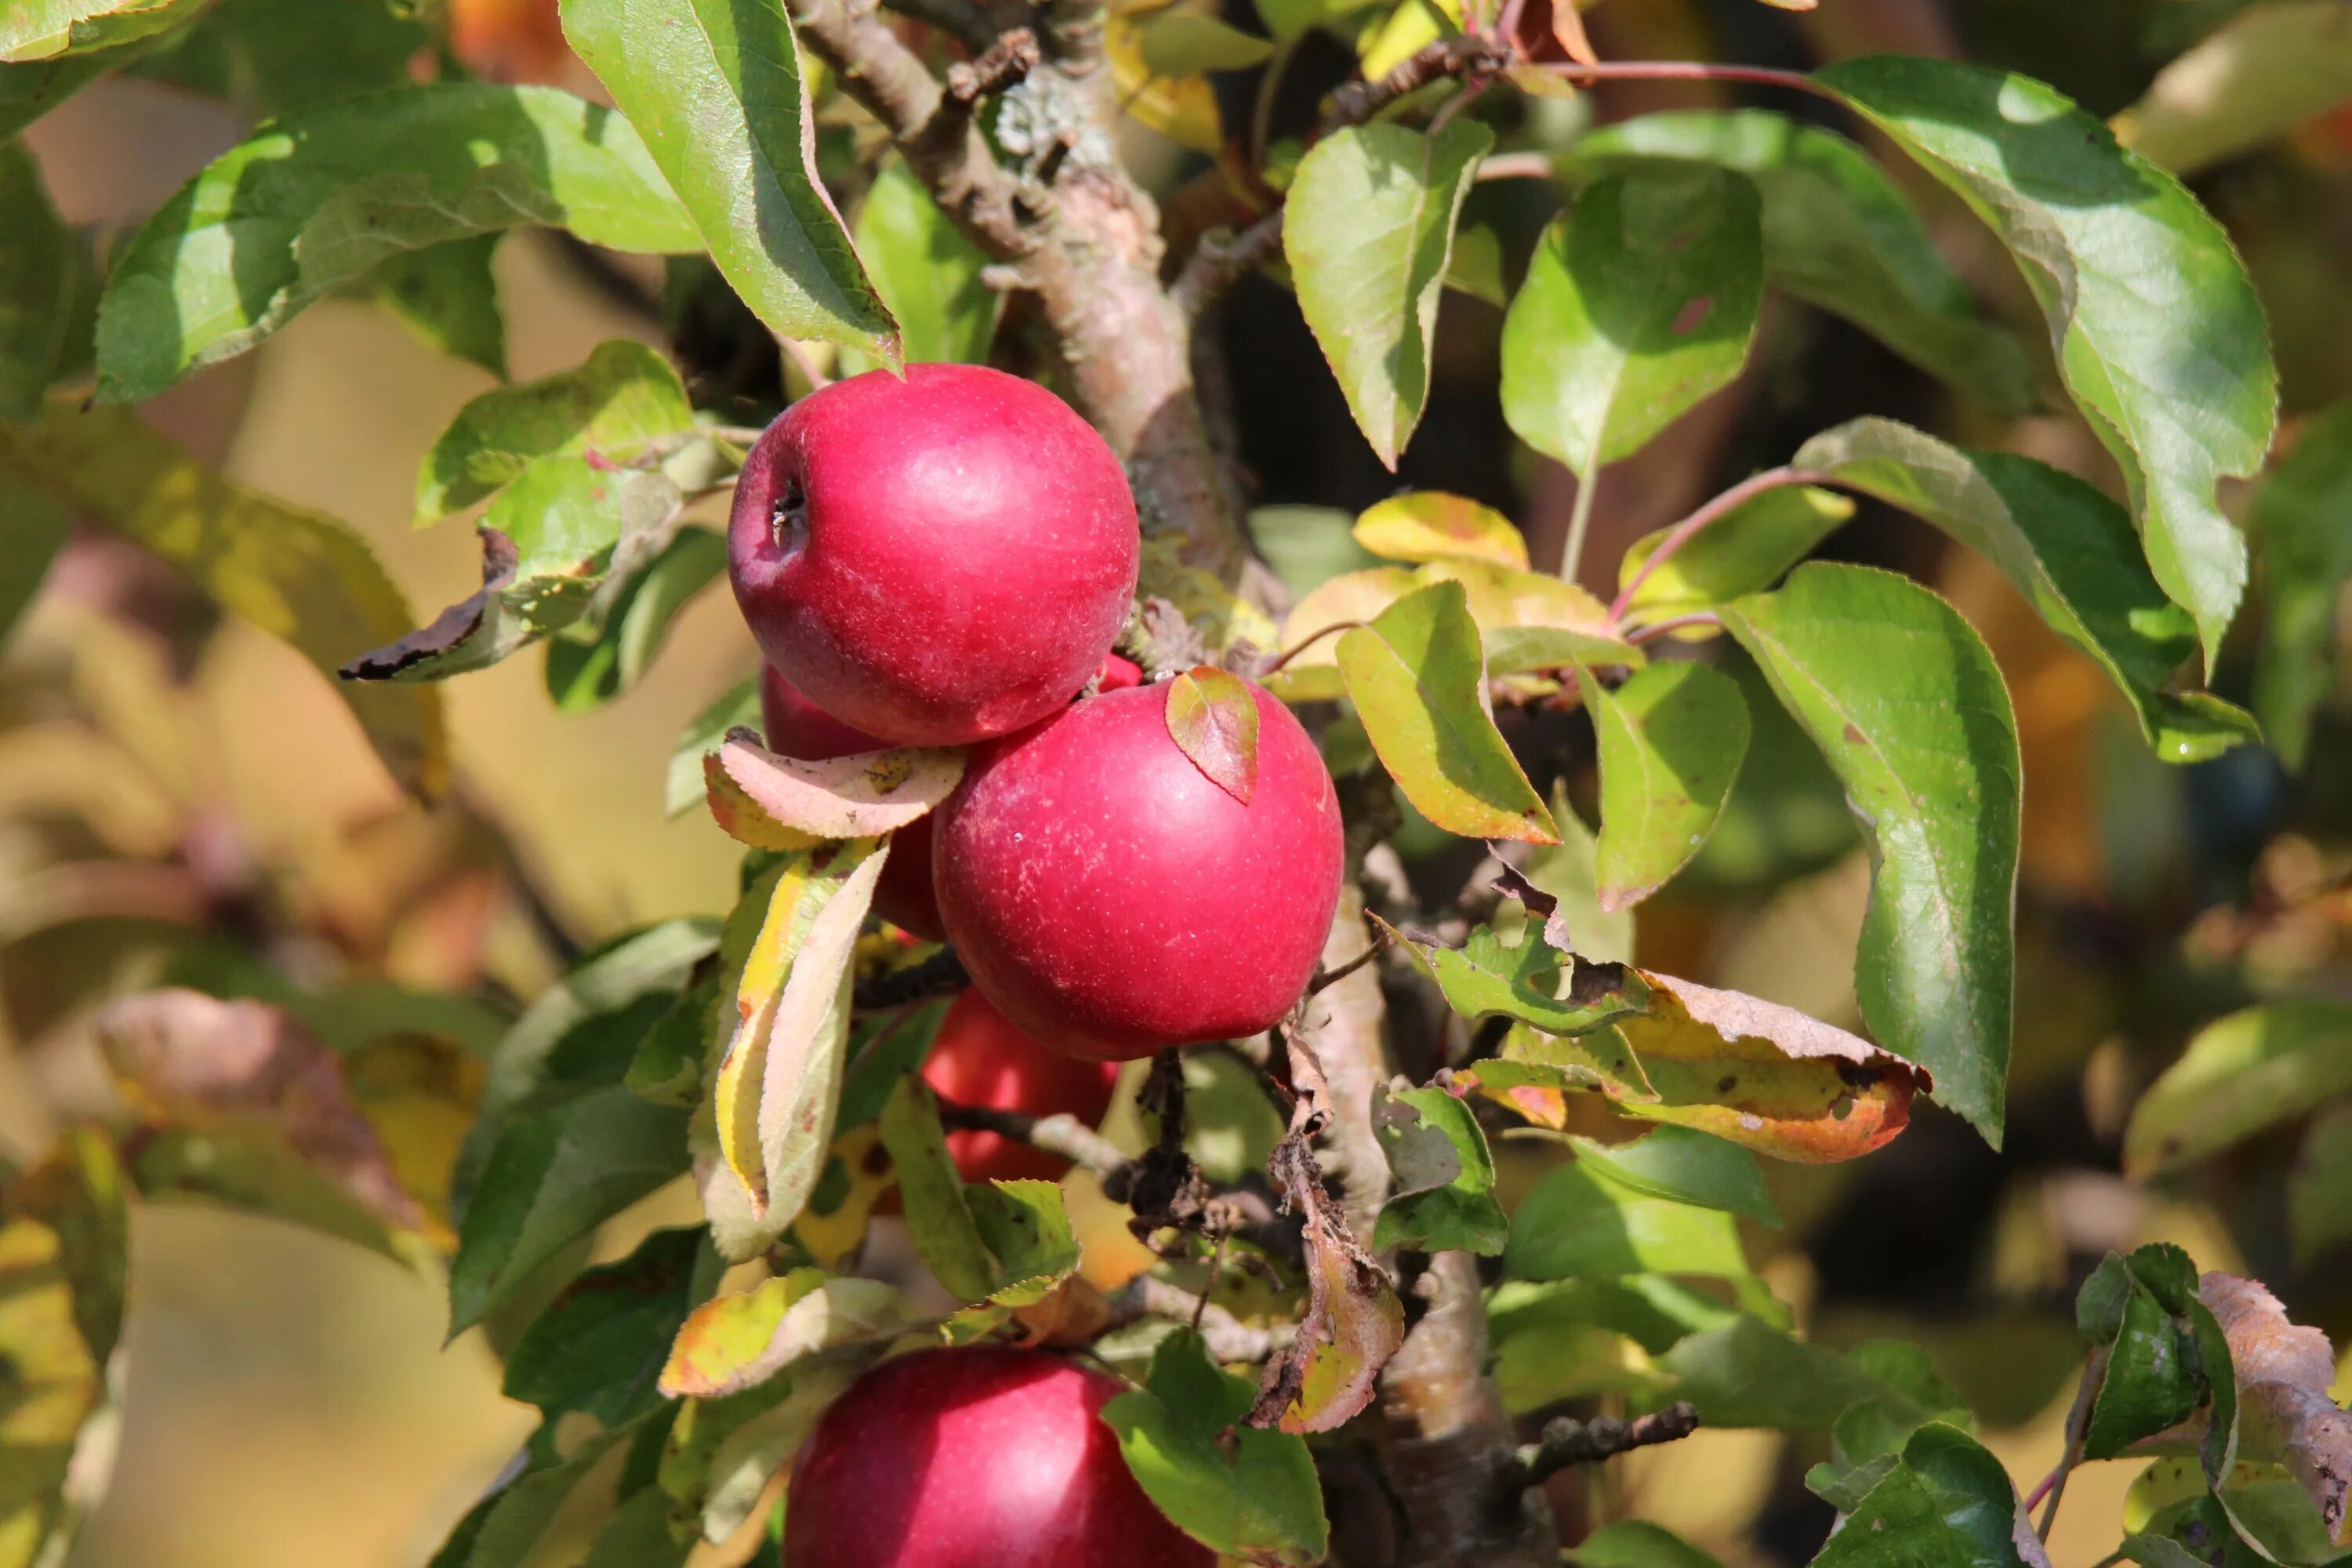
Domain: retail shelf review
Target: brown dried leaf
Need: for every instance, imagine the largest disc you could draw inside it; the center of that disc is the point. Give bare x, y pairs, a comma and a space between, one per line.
785, 803
1764, 1076
2283, 1371
1354, 1321
1074, 1313
452, 626
196, 1061
1213, 719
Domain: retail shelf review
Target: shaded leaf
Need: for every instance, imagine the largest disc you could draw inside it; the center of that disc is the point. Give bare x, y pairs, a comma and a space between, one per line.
2253, 78
1442, 1196
2319, 1188
722, 1453
1368, 226
582, 676
1908, 708
715, 88
2068, 549
1247, 1493
300, 576
1746, 1373
446, 298
1687, 1166
1004, 1243
773, 802
1485, 978
1430, 525
2139, 1310
1838, 234
780, 1079
1572, 1339
1745, 552
1640, 301
29, 90
325, 195
2160, 337
1213, 719
1568, 873
1947, 1501
736, 708
600, 1346
2240, 1075
1578, 1222
618, 407
43, 29
1417, 676
1308, 546
739, 1342
2298, 515
41, 274
33, 528
1671, 740
502, 1530
1637, 1543
926, 273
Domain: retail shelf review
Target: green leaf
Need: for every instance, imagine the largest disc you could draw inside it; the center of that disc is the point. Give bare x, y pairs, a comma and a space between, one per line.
2139, 1308
446, 298
1212, 716
1689, 1166
600, 1346
2258, 76
1671, 740
64, 1269
1485, 978
620, 407
1639, 302
2064, 546
1431, 525
739, 1341
503, 1529
41, 273
715, 87
1744, 552
1308, 545
638, 1535
1245, 1491
1417, 676
266, 57
1637, 1543
1008, 1243
2160, 337
1369, 226
722, 1453
33, 528
1181, 43
582, 676
2306, 560
1746, 1372
2240, 1075
736, 708
926, 273
301, 577
1568, 872
1572, 1339
556, 1173
326, 195
43, 29
889, 1049
1838, 234
2319, 1188
1577, 1222
1442, 1194
1948, 1503
1906, 705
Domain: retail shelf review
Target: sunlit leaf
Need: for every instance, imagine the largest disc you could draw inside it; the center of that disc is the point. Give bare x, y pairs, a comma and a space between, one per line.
618, 407
43, 29
926, 273
2284, 1372
1417, 675
1908, 708
1744, 552
1838, 234
1353, 1323
1486, 977
739, 1342
773, 801
1578, 1222
2240, 1075
1671, 740
1637, 1543
325, 195
1368, 227
736, 708
1182, 109
298, 575
722, 1453
1687, 1166
1008, 1243
1249, 1493
1212, 718
1442, 1195
1430, 525
1640, 301
715, 88
2066, 547
2306, 561
1183, 43
2158, 334
581, 675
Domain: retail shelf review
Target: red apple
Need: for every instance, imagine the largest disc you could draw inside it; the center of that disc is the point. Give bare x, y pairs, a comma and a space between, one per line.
980, 1058
938, 560
797, 726
984, 1458
1112, 901
509, 40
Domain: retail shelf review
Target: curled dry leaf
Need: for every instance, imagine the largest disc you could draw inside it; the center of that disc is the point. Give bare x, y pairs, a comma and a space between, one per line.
784, 802
2283, 1371
1353, 1323
196, 1061
1212, 718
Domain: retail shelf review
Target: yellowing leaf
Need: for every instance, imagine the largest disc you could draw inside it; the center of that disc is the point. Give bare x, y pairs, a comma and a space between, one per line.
771, 802
1182, 109
832, 1226
739, 1341
779, 1080
1212, 718
1431, 525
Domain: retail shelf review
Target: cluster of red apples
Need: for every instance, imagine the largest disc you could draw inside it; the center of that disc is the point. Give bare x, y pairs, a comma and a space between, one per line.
945, 559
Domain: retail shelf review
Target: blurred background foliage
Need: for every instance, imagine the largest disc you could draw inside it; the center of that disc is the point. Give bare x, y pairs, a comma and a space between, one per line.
180, 796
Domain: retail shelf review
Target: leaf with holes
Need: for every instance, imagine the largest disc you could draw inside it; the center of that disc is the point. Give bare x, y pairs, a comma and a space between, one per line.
1901, 697
1671, 740
1442, 1192
773, 802
1640, 301
1368, 227
1213, 719
1417, 675
1430, 525
1486, 978
2064, 546
619, 406
2160, 337
715, 89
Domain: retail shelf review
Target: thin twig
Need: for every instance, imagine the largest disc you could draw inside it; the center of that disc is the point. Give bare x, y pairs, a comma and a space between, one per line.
1324, 977
1722, 506
941, 975
1062, 1134
1230, 1339
1307, 642
1568, 1441
2078, 1426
